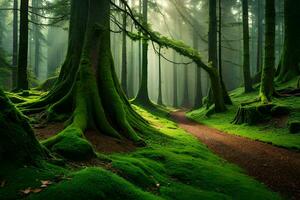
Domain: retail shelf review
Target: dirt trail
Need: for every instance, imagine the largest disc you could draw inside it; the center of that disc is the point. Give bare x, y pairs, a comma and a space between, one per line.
276, 167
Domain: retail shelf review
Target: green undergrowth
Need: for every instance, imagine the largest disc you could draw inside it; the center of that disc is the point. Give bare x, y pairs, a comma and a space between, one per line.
273, 132
174, 165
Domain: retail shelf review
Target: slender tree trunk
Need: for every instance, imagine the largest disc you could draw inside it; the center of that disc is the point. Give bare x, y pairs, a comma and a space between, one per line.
199, 94
175, 86
143, 96
290, 59
212, 34
124, 56
246, 57
259, 37
268, 72
36, 37
15, 42
22, 83
159, 100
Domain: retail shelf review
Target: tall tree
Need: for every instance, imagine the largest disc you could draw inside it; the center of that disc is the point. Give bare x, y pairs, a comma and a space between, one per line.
124, 56
22, 82
246, 55
143, 95
87, 85
213, 34
259, 62
199, 94
159, 99
290, 59
268, 72
15, 41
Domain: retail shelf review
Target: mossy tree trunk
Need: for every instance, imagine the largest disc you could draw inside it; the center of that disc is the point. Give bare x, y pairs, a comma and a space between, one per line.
87, 87
246, 56
18, 144
290, 59
268, 72
22, 79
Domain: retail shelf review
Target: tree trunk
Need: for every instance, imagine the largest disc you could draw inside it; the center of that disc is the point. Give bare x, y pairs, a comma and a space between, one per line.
199, 94
259, 37
36, 37
22, 82
159, 99
246, 57
15, 42
212, 34
175, 86
124, 56
88, 86
268, 72
290, 60
143, 96
18, 144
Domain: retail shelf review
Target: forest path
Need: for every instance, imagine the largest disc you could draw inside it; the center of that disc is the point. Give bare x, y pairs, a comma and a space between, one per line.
276, 167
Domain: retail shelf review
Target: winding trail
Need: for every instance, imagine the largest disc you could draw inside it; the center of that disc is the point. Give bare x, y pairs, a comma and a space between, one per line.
278, 168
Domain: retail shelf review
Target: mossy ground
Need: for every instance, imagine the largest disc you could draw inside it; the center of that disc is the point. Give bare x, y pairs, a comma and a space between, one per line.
174, 165
266, 132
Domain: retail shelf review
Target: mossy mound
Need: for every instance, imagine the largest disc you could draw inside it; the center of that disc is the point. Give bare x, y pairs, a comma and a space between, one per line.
93, 183
70, 144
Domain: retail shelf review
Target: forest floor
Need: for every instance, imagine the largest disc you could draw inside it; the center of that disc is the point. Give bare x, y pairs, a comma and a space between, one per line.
276, 167
173, 166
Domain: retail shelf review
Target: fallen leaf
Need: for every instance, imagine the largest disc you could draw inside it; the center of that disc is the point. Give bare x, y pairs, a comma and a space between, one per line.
44, 186
37, 190
26, 191
47, 182
2, 183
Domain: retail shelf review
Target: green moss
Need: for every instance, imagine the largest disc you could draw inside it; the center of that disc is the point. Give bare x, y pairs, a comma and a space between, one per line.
93, 183
174, 165
267, 132
71, 145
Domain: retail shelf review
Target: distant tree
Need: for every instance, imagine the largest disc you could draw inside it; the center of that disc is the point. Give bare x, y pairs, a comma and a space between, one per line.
246, 57
22, 78
124, 69
143, 95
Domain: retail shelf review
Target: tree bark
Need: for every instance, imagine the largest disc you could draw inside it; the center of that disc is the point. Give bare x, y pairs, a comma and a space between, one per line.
268, 72
159, 99
22, 82
88, 88
124, 56
246, 57
143, 95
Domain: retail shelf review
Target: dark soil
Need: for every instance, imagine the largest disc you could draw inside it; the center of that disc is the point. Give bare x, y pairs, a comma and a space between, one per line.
276, 167
101, 143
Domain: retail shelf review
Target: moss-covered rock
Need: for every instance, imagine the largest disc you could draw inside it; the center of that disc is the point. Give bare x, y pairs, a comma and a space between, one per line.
294, 127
